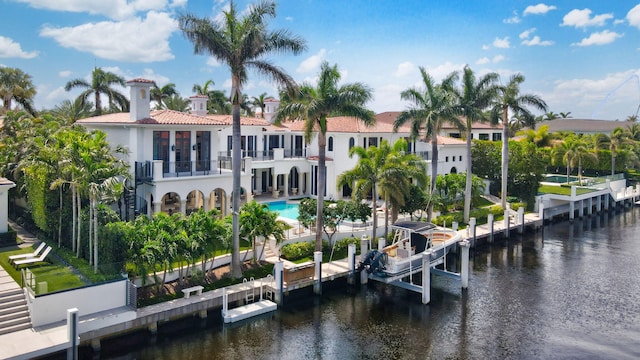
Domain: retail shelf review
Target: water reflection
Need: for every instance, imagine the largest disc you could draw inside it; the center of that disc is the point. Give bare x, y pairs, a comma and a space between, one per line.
569, 291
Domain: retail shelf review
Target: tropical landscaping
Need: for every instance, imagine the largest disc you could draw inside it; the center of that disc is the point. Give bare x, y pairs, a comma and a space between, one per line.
74, 187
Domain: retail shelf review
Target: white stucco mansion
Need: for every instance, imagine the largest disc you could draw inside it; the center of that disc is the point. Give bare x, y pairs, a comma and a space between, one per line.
182, 161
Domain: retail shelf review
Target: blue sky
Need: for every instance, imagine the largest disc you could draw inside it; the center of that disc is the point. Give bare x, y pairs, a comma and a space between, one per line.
580, 57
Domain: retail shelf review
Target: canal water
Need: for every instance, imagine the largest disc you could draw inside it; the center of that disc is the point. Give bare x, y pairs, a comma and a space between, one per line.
569, 291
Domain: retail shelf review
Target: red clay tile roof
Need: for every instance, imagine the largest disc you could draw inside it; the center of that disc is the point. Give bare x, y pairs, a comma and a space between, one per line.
171, 117
445, 140
352, 125
198, 96
140, 80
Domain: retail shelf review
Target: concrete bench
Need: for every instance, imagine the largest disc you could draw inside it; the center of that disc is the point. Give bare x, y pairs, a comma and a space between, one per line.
197, 289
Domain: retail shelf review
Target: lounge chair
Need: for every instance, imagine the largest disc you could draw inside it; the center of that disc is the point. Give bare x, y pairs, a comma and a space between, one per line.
36, 253
33, 259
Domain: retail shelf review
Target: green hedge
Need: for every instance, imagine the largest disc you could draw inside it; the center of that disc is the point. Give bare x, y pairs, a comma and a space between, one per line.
304, 250
481, 215
297, 251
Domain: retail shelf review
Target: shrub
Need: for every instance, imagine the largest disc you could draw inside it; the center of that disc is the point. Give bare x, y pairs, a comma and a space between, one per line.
297, 251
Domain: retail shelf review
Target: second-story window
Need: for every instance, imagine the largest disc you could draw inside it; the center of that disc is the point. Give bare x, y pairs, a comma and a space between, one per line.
203, 150
352, 143
330, 143
161, 148
183, 151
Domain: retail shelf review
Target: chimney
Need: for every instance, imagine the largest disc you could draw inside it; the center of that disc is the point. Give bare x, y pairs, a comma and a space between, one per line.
140, 99
199, 105
271, 109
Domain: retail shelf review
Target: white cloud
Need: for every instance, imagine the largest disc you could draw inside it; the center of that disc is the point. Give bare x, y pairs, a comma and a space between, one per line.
501, 43
289, 18
133, 40
65, 73
498, 58
618, 21
114, 9
633, 16
12, 49
312, 62
178, 3
149, 74
539, 9
404, 69
515, 19
599, 38
614, 96
583, 19
486, 47
525, 34
483, 60
535, 41
441, 71
211, 61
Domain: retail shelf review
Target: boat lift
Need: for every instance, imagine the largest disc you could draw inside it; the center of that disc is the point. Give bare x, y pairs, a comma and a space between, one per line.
428, 267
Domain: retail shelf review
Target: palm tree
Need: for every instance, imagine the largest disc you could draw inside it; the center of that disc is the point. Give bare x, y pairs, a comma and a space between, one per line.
16, 85
540, 137
258, 222
565, 115
247, 106
314, 105
572, 151
617, 140
384, 170
159, 94
242, 43
73, 110
177, 103
431, 108
102, 83
550, 115
203, 89
510, 99
259, 101
474, 97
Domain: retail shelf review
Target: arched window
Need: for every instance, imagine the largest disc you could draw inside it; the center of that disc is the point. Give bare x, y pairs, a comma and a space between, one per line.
352, 143
330, 143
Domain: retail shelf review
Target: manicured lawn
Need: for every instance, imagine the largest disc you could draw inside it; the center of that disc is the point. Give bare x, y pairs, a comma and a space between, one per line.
57, 276
561, 190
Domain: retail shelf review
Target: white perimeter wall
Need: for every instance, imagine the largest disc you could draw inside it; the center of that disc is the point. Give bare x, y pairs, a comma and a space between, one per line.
52, 308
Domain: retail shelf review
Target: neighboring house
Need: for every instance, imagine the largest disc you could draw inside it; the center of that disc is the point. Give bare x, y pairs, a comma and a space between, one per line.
182, 161
585, 126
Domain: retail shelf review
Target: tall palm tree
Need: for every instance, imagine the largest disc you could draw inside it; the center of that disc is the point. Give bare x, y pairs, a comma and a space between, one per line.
314, 105
102, 83
242, 43
572, 151
159, 94
431, 107
259, 101
617, 140
473, 99
385, 169
16, 85
510, 99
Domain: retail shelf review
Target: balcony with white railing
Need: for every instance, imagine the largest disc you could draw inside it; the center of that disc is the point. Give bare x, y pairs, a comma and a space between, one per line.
148, 171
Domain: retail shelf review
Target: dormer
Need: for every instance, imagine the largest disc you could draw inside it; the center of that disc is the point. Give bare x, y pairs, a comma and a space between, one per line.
270, 108
199, 105
140, 98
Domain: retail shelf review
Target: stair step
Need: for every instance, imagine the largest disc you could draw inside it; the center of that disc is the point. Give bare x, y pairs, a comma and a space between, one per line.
11, 310
14, 315
12, 304
11, 292
16, 321
15, 328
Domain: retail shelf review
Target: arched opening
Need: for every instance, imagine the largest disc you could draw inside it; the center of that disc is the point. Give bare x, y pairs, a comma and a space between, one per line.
218, 201
170, 203
453, 170
346, 191
330, 143
352, 143
195, 201
294, 181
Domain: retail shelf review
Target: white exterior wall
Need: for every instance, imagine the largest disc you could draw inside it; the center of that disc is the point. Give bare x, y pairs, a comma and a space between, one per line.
52, 308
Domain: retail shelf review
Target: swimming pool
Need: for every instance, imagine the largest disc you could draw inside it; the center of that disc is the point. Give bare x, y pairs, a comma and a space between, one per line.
289, 211
559, 178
